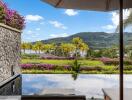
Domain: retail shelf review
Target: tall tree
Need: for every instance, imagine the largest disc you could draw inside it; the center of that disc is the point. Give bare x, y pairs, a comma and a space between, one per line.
48, 48
110, 52
128, 21
29, 46
24, 46
77, 42
128, 51
34, 48
39, 45
84, 47
67, 48
79, 45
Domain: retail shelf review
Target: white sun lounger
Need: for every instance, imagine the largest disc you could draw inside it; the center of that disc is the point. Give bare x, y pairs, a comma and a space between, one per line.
113, 94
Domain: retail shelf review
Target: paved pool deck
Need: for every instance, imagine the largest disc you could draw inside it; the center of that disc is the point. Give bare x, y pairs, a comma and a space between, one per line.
10, 97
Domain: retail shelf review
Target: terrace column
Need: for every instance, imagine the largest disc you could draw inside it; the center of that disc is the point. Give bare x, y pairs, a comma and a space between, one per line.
121, 48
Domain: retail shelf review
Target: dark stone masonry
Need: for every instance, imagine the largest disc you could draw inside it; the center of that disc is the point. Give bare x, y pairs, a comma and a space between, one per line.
10, 40
11, 88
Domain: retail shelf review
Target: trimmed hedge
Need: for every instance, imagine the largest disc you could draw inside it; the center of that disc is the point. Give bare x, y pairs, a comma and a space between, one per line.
108, 61
91, 69
29, 56
58, 58
45, 67
58, 67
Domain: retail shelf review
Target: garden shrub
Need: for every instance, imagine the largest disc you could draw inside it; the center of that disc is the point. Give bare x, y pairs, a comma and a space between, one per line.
45, 67
127, 67
58, 58
29, 56
128, 62
59, 68
2, 15
109, 61
91, 68
76, 66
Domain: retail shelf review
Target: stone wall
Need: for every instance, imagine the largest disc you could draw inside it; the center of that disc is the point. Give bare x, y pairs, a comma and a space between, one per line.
10, 40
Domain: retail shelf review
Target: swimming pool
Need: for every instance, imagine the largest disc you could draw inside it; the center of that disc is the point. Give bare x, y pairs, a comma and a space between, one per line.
85, 84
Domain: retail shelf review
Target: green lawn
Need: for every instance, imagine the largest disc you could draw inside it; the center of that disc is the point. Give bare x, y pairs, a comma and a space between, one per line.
69, 72
63, 62
106, 69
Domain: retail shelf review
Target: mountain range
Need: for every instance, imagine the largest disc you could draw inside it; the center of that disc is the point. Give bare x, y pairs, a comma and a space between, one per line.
95, 40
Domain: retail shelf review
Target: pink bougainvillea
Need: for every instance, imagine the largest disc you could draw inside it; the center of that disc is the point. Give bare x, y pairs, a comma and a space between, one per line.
11, 17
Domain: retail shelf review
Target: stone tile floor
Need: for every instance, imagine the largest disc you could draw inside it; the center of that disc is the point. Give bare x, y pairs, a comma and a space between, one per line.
10, 97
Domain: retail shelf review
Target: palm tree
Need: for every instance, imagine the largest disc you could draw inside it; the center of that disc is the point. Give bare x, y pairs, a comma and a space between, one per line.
57, 49
48, 48
35, 48
127, 22
29, 46
75, 68
84, 47
39, 45
67, 48
77, 42
80, 45
24, 46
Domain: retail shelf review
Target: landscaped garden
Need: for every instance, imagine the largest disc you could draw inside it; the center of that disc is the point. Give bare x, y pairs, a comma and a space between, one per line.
64, 66
69, 58
65, 57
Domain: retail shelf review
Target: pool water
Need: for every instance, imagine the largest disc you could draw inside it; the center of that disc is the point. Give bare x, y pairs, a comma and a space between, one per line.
85, 84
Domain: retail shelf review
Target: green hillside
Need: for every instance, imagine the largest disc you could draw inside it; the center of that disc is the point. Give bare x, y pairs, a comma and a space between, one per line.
95, 40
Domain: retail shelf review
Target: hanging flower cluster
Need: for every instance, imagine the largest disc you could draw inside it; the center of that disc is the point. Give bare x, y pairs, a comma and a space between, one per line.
11, 17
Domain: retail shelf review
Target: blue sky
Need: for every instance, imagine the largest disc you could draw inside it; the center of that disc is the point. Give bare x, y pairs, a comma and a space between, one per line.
44, 22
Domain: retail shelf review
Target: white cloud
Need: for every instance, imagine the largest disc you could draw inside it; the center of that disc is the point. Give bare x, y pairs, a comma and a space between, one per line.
29, 31
115, 19
109, 27
57, 24
37, 29
58, 35
71, 12
33, 18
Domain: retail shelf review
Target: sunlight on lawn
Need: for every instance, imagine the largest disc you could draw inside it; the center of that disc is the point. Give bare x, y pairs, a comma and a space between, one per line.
62, 62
